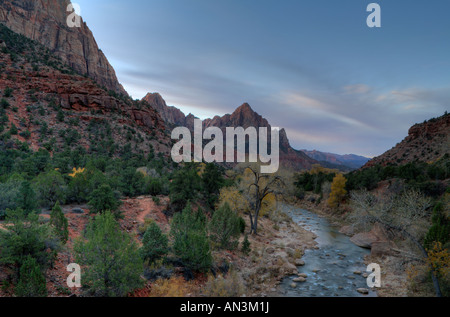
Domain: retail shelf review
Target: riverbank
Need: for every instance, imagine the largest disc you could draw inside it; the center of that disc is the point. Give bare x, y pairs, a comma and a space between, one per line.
393, 271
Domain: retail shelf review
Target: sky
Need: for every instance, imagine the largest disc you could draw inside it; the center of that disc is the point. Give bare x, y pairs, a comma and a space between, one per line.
313, 67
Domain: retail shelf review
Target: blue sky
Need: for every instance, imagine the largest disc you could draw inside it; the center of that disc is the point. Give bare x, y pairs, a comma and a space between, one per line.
312, 67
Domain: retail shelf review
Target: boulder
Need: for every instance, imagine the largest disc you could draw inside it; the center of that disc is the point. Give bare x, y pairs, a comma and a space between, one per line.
363, 291
366, 239
299, 279
299, 262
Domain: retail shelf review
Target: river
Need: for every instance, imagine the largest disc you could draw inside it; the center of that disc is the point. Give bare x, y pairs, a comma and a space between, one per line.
330, 269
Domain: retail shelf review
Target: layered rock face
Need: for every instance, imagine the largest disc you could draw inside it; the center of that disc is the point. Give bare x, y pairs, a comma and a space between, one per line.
46, 22
43, 89
426, 142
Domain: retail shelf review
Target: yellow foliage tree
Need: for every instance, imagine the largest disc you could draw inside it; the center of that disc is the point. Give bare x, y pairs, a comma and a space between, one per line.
76, 171
338, 191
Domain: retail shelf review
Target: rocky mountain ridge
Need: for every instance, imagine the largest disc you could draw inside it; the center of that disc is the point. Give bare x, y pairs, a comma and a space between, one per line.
426, 142
45, 21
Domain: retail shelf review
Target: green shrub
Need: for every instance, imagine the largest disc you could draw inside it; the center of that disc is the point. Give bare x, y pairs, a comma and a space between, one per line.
50, 188
102, 199
31, 282
60, 223
191, 243
110, 258
155, 243
4, 104
224, 228
246, 246
8, 92
27, 237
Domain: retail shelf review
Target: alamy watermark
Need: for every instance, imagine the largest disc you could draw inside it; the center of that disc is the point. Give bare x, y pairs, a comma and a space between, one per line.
74, 18
374, 278
255, 140
74, 279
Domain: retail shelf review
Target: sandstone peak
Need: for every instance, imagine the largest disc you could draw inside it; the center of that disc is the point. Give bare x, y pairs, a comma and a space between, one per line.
45, 21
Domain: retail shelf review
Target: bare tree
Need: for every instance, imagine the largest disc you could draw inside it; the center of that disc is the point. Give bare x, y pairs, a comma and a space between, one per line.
256, 188
406, 214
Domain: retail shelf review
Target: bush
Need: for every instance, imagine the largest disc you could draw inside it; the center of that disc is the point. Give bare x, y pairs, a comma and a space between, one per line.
4, 103
155, 243
60, 223
50, 188
27, 237
103, 199
225, 228
185, 186
8, 92
224, 287
31, 281
110, 258
440, 228
191, 243
246, 246
13, 130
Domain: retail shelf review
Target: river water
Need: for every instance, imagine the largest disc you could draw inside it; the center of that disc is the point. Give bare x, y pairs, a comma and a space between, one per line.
331, 268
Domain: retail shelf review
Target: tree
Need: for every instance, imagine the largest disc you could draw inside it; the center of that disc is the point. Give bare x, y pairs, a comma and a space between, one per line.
60, 223
185, 186
50, 188
440, 228
26, 237
26, 198
109, 257
338, 191
246, 246
191, 243
224, 227
260, 190
102, 199
155, 243
212, 182
405, 214
31, 281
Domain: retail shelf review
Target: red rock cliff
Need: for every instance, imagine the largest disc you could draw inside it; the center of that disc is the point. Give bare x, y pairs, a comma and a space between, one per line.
46, 22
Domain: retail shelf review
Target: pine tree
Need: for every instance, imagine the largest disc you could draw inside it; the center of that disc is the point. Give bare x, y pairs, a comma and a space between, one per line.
246, 246
60, 223
31, 281
225, 227
110, 257
27, 198
155, 243
191, 243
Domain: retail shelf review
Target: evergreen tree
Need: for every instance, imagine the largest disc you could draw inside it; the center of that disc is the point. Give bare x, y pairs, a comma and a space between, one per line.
155, 243
26, 237
246, 246
102, 199
185, 186
27, 198
31, 281
440, 228
110, 258
225, 227
212, 183
191, 243
60, 223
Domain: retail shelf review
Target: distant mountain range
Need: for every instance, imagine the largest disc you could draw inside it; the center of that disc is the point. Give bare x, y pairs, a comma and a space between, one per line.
244, 116
342, 162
